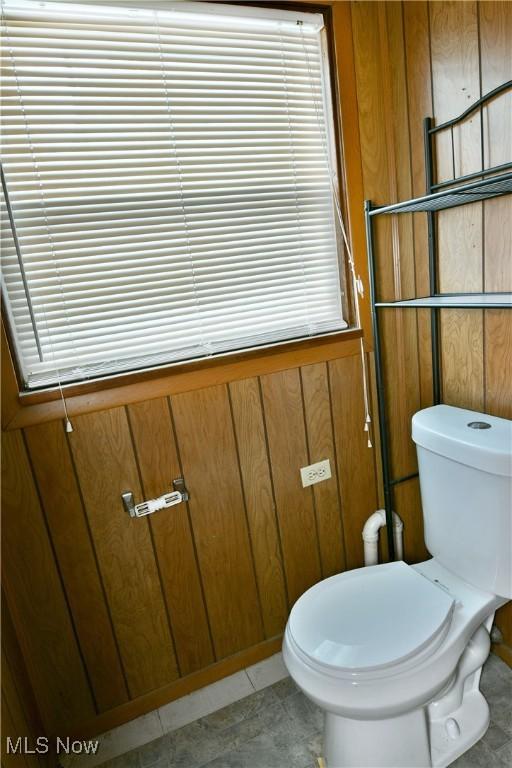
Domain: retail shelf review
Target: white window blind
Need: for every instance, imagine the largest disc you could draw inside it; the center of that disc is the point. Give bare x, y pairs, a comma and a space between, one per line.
169, 176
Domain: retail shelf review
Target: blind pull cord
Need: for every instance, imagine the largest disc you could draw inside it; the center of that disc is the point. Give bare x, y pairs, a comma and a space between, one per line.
357, 283
67, 423
358, 290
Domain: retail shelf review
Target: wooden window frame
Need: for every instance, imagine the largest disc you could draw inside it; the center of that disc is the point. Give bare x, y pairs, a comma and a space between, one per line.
21, 408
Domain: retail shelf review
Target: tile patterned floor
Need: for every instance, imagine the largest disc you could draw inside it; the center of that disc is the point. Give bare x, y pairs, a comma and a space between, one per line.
279, 728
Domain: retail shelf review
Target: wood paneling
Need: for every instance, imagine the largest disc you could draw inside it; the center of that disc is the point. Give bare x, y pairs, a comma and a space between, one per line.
282, 399
419, 102
20, 716
455, 84
259, 501
60, 495
172, 535
208, 451
317, 402
35, 596
105, 464
384, 95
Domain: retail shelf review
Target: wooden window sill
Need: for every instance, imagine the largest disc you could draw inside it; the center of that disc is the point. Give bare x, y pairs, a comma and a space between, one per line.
24, 409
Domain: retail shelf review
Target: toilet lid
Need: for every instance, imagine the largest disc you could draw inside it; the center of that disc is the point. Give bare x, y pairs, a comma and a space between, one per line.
370, 618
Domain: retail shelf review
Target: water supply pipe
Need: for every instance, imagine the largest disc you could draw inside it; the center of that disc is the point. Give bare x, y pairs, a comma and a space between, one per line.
371, 536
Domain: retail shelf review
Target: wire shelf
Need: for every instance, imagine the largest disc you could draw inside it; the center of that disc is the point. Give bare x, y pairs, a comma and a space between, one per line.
454, 301
451, 198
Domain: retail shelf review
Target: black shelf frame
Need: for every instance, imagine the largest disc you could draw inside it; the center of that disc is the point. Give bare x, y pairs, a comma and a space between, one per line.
480, 185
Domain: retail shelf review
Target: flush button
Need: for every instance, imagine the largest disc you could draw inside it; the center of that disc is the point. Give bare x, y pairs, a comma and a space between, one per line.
479, 425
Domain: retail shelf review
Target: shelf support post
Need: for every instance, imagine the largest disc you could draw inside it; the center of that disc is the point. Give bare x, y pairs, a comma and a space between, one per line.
432, 265
379, 375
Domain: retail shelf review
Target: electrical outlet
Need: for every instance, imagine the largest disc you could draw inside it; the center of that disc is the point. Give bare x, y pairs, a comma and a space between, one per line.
315, 473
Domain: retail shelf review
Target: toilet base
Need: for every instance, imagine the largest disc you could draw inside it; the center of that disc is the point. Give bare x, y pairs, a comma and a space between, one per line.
397, 742
408, 741
472, 720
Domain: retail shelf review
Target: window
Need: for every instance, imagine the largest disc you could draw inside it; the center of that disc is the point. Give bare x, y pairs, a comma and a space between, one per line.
168, 177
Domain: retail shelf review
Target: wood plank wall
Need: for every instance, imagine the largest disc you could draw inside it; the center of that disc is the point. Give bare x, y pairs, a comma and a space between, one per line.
20, 716
418, 59
108, 609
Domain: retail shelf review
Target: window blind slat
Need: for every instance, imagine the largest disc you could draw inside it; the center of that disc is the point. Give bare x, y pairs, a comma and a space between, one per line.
169, 173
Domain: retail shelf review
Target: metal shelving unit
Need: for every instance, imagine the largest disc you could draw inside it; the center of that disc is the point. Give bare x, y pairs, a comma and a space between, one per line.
481, 185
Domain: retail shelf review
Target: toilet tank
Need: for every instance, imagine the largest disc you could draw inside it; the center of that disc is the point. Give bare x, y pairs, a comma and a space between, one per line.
465, 467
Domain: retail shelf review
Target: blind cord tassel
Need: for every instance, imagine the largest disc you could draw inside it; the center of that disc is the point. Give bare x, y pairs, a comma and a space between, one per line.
67, 421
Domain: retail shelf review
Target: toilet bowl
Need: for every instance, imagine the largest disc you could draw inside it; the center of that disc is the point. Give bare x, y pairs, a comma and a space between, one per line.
393, 653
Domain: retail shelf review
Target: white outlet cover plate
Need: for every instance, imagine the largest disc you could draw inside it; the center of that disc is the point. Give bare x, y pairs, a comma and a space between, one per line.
315, 473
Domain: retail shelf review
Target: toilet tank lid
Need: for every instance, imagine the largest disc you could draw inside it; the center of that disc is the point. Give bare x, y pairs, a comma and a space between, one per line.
446, 430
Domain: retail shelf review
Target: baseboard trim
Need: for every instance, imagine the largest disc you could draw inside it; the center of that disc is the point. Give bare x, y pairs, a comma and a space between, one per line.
504, 652
158, 698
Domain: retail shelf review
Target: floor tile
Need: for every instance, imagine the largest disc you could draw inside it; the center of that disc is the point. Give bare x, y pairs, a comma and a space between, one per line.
505, 754
496, 737
198, 743
496, 680
284, 688
130, 760
479, 756
268, 750
305, 718
501, 712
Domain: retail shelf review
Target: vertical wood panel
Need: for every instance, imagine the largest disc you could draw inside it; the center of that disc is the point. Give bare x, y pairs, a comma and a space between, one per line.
317, 404
383, 119
159, 465
496, 65
496, 48
261, 513
456, 84
57, 485
355, 459
498, 363
208, 452
11, 728
419, 97
14, 723
105, 463
406, 337
283, 405
35, 597
394, 93
20, 716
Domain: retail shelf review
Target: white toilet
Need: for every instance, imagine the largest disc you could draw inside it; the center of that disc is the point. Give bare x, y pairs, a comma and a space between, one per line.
393, 653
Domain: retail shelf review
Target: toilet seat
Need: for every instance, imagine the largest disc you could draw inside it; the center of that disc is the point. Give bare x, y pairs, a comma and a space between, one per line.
370, 620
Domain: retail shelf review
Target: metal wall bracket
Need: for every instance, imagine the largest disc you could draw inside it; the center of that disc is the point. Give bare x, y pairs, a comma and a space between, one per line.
179, 485
177, 496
